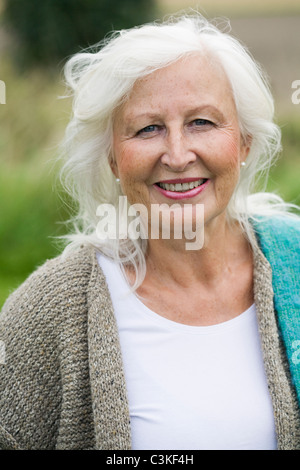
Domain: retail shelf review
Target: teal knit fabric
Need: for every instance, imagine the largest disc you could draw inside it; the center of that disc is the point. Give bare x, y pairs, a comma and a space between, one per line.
279, 239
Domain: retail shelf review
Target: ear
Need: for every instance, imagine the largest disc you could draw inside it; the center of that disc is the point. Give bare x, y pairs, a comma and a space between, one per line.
245, 147
114, 167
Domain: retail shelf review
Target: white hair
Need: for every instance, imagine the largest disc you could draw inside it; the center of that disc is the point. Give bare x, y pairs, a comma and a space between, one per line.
102, 77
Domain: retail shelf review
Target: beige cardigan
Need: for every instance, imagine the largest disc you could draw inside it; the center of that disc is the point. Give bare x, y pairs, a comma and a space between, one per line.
62, 383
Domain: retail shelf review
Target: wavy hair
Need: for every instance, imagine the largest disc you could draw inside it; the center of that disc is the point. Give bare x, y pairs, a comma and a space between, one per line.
102, 77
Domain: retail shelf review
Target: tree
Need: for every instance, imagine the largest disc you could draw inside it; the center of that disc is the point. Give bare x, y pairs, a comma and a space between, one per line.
48, 31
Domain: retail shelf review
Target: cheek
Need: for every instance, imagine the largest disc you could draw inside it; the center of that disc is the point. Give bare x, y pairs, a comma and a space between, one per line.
226, 153
125, 162
133, 171
135, 162
226, 166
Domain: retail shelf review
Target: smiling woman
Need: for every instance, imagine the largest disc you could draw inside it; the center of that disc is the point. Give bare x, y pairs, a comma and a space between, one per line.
137, 342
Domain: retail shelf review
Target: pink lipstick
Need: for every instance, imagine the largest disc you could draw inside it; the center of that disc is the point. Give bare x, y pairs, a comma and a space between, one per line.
185, 188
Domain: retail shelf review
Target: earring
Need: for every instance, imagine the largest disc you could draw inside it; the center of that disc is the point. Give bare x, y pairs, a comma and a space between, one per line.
243, 163
118, 180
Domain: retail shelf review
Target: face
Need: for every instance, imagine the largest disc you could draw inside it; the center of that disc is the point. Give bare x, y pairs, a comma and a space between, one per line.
177, 140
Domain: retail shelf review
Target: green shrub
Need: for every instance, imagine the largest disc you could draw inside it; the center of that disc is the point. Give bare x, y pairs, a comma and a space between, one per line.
31, 217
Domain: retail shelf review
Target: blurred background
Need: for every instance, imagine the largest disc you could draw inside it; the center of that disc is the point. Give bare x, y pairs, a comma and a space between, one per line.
36, 38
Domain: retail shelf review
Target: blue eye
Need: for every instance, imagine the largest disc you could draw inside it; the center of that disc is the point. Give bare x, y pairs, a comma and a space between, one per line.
148, 129
202, 122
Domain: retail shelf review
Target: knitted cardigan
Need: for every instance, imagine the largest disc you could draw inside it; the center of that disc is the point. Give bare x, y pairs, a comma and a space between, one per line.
62, 383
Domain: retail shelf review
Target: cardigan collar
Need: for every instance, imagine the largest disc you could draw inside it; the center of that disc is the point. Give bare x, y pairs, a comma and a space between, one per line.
108, 389
282, 392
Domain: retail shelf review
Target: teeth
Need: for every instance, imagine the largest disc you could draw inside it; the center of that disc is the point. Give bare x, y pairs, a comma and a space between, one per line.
181, 187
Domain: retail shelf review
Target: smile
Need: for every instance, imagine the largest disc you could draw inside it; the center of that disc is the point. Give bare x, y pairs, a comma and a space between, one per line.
181, 187
186, 189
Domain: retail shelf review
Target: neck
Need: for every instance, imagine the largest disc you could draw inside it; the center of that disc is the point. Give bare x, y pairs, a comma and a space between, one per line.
169, 262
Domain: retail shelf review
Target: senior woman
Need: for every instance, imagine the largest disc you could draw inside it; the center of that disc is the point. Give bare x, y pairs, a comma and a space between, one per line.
142, 341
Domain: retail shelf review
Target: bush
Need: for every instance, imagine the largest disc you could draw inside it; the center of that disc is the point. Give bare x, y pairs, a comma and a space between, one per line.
47, 31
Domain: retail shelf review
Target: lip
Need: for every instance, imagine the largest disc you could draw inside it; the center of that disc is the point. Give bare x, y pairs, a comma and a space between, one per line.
179, 195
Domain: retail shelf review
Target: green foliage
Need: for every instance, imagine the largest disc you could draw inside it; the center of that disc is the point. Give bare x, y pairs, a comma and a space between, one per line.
284, 176
47, 31
31, 217
31, 210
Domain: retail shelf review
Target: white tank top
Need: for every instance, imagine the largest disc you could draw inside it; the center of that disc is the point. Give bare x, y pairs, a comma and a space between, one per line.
191, 387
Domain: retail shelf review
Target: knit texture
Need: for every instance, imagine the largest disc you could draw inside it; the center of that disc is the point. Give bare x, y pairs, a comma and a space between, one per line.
62, 385
279, 239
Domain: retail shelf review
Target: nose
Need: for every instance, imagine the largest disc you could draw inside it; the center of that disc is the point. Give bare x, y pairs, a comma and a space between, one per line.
177, 153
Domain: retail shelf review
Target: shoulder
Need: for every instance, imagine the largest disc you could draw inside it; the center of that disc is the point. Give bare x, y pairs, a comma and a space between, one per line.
55, 277
53, 296
279, 240
278, 232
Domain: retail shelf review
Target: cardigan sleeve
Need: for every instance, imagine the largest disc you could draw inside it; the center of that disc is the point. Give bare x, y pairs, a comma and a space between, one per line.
29, 371
44, 360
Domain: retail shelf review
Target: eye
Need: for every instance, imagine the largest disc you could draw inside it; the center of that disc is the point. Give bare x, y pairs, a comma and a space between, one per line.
148, 129
202, 122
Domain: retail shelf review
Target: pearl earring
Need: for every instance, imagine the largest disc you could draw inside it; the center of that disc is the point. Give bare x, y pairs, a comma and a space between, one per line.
243, 163
117, 180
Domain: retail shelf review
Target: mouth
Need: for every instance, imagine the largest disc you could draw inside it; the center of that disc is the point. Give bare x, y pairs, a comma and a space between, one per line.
182, 189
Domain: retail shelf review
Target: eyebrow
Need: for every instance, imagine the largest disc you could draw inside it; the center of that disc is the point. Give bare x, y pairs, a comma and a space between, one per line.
190, 112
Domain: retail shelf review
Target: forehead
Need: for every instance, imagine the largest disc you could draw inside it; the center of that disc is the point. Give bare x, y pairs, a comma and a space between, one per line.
190, 81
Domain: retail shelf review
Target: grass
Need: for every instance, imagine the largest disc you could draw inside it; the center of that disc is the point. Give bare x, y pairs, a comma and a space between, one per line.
32, 122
